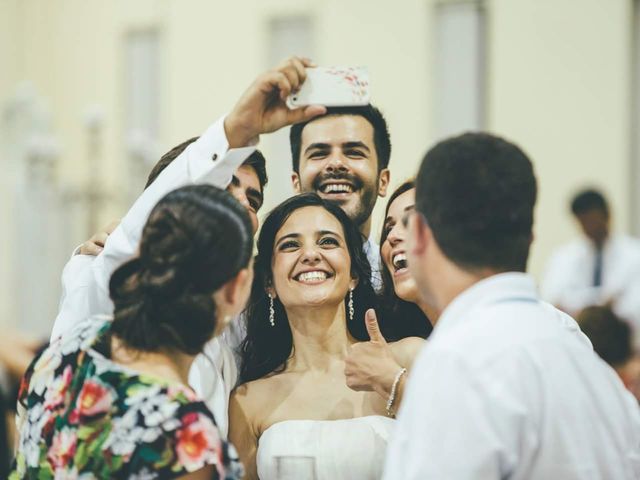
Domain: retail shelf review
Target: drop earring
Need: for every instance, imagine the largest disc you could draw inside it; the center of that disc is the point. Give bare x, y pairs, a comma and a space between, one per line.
272, 312
351, 311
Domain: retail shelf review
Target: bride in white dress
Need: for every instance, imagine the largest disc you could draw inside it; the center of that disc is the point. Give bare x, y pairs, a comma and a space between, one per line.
293, 415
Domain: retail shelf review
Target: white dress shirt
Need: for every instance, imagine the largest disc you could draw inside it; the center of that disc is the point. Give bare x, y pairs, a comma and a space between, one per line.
86, 279
75, 296
372, 251
504, 390
568, 280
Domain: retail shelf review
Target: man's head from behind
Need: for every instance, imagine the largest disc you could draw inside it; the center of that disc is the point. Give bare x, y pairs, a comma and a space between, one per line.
592, 212
343, 156
247, 184
475, 195
610, 336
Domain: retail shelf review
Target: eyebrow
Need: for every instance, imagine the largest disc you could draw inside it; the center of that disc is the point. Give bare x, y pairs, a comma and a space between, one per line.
256, 195
406, 209
251, 192
289, 235
356, 145
297, 235
326, 146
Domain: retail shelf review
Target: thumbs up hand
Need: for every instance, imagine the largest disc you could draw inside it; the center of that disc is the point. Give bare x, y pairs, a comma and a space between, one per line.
370, 366
371, 321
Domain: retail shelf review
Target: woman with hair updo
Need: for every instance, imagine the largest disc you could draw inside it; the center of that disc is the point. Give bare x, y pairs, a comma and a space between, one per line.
110, 398
293, 414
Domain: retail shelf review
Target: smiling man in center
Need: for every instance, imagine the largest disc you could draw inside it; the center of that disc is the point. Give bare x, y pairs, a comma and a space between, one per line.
343, 156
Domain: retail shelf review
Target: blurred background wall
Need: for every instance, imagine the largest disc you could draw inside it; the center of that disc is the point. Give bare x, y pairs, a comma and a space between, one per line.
92, 92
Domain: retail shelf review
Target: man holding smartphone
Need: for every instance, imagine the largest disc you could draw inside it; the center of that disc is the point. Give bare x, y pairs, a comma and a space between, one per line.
343, 156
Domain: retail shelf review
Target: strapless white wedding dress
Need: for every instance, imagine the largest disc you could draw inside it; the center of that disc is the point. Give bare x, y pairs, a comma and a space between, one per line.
351, 449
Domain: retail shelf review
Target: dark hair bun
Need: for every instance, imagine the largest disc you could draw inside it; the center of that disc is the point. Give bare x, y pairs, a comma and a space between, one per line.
196, 239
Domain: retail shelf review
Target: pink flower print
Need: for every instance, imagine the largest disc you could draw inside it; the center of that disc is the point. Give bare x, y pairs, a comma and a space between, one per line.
74, 417
94, 399
63, 448
198, 442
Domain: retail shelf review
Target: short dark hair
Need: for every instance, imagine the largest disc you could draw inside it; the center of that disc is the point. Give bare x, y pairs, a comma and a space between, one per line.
477, 193
196, 239
166, 159
406, 318
256, 161
610, 336
587, 200
267, 348
381, 137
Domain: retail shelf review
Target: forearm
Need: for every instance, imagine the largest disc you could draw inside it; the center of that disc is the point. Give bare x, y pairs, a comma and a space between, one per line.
383, 385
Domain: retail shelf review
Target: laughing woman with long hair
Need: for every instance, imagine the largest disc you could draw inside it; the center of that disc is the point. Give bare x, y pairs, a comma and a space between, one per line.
293, 414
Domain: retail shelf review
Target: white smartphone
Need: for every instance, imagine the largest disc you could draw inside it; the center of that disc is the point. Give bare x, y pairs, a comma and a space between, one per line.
333, 87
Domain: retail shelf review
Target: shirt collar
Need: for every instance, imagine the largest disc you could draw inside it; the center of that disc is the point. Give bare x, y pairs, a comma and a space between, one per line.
370, 244
502, 287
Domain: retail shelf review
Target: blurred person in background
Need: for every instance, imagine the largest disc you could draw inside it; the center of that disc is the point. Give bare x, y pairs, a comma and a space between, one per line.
16, 353
601, 268
611, 339
110, 396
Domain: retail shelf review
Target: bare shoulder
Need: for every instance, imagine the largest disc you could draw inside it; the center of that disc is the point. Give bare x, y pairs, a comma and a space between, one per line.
256, 400
406, 350
243, 413
260, 387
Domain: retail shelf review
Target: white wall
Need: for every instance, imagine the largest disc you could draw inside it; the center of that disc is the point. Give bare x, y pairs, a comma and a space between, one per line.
559, 86
557, 83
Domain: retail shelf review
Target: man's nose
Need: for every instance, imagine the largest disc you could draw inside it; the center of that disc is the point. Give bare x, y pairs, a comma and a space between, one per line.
239, 195
336, 162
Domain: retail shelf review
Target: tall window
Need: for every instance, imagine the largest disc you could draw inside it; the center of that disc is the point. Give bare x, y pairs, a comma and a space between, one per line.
142, 105
635, 123
291, 35
460, 66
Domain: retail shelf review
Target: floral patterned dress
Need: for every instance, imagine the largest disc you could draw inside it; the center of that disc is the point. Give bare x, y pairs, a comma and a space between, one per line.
83, 416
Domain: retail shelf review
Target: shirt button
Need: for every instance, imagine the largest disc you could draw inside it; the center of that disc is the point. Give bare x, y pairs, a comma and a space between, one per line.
214, 157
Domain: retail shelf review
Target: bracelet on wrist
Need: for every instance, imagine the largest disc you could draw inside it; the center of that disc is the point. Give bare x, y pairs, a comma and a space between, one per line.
394, 388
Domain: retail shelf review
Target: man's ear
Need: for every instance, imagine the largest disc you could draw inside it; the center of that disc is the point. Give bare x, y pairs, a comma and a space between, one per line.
295, 182
420, 233
383, 182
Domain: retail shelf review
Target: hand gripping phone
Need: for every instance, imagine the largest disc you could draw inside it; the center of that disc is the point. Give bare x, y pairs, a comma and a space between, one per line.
333, 87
